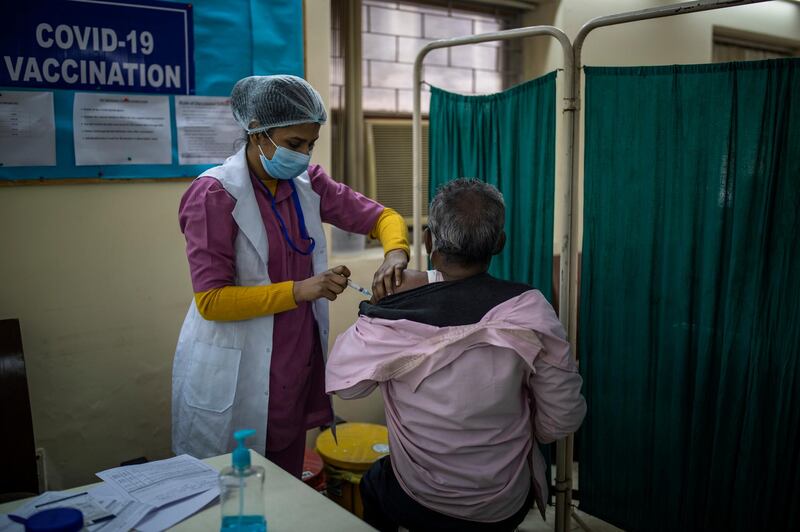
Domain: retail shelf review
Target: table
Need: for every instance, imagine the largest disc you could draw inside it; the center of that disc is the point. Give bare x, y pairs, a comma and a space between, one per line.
290, 505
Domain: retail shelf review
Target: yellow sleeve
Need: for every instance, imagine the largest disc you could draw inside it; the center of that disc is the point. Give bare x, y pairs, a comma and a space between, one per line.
233, 303
392, 231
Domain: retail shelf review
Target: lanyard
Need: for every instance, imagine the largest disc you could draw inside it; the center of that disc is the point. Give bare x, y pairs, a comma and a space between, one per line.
300, 218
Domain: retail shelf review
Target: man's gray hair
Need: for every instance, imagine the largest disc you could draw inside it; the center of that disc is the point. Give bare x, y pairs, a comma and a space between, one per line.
466, 220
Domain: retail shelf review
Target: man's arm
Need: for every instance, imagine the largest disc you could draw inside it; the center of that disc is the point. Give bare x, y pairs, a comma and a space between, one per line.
411, 279
362, 389
558, 407
350, 365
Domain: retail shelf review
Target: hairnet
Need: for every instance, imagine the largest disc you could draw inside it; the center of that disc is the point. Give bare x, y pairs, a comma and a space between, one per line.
260, 103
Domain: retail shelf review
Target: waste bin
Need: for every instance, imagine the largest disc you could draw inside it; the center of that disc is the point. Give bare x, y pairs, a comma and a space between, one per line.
360, 445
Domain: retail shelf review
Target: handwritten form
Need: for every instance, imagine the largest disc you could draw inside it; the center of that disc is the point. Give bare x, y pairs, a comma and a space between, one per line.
27, 129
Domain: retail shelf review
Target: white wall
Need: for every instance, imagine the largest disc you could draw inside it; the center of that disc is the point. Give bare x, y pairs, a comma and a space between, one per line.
98, 277
682, 39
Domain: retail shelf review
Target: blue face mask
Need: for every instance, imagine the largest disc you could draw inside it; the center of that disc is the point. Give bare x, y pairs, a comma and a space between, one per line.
285, 163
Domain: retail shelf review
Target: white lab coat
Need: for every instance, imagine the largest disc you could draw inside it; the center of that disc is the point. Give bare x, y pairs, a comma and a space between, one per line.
220, 375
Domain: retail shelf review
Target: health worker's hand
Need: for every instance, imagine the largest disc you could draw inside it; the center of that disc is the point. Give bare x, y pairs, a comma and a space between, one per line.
411, 279
328, 284
390, 275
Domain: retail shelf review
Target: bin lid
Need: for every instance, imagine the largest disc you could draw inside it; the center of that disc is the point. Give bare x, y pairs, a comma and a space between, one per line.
55, 520
360, 444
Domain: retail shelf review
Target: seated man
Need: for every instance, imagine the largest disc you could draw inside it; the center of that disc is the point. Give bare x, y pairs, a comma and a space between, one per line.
473, 371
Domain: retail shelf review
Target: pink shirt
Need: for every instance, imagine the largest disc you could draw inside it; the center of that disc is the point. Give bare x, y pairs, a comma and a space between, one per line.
297, 395
464, 403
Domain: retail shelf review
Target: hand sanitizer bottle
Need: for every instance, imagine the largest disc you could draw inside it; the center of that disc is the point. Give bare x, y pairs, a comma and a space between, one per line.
242, 491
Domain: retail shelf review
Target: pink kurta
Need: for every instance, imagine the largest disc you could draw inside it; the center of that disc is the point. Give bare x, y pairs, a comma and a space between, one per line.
464, 403
297, 397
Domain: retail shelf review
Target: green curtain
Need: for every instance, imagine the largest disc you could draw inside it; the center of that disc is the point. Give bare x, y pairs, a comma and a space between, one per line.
690, 318
508, 140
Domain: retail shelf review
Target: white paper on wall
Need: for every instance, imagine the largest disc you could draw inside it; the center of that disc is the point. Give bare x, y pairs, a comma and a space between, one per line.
206, 129
27, 129
118, 129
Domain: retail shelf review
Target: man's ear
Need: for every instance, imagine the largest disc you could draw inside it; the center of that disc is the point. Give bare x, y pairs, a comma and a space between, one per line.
428, 239
501, 243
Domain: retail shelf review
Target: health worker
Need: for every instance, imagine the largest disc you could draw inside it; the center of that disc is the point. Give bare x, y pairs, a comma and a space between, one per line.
252, 348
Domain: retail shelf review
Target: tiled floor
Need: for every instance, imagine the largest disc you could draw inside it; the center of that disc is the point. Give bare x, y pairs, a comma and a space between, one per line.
533, 522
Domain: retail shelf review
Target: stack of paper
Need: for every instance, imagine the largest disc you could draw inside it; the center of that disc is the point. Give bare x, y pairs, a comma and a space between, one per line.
148, 497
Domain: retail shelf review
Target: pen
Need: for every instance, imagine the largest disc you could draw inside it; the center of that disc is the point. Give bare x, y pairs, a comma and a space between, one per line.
360, 289
48, 503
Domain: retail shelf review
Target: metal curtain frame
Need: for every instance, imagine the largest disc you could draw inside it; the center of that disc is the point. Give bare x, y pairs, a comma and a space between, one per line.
563, 469
569, 107
612, 20
588, 27
570, 176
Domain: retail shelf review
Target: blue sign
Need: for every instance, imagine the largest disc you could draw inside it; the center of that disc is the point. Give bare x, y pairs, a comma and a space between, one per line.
234, 39
104, 45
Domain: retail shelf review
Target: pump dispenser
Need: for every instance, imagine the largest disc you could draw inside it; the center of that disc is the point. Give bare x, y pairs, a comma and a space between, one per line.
241, 489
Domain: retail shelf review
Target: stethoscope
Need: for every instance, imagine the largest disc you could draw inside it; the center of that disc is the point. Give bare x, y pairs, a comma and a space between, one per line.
299, 210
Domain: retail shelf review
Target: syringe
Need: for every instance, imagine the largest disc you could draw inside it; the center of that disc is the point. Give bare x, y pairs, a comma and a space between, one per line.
360, 289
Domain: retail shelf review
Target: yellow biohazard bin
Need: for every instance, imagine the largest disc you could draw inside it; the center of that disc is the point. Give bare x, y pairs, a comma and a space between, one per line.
360, 445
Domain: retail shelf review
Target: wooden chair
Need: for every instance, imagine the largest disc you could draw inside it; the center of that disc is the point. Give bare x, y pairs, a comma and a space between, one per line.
19, 477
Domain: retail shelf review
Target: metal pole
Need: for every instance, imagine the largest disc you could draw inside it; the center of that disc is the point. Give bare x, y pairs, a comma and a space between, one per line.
569, 108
